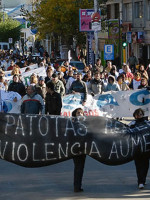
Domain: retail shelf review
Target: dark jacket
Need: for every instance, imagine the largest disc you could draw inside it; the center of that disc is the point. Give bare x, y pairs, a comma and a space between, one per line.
79, 86
138, 122
53, 104
33, 104
47, 79
96, 86
17, 87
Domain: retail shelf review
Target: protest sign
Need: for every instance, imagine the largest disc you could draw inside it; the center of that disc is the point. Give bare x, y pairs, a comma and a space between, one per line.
110, 104
22, 70
113, 104
26, 75
41, 140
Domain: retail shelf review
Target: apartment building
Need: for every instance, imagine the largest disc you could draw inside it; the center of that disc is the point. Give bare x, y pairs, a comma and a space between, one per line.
135, 26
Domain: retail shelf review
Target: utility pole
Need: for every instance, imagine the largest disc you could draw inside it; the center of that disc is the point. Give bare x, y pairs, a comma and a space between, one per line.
96, 32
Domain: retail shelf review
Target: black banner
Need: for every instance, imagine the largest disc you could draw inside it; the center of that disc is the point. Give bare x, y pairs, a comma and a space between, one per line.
41, 140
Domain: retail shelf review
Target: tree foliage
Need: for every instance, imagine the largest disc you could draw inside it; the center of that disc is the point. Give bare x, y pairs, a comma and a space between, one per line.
9, 28
60, 17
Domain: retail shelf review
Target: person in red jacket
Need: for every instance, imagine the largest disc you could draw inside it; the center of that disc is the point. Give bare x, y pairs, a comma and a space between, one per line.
12, 64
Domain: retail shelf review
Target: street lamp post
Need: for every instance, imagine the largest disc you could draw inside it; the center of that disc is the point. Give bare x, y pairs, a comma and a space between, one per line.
96, 32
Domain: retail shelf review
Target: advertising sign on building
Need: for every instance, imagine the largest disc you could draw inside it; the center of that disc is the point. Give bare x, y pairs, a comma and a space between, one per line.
96, 21
85, 19
90, 52
129, 38
140, 37
113, 29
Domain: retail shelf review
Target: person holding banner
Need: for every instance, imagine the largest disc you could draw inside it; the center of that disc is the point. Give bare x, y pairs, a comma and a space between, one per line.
79, 161
79, 86
53, 100
141, 160
32, 103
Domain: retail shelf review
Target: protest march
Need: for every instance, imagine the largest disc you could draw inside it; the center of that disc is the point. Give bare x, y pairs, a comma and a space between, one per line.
51, 113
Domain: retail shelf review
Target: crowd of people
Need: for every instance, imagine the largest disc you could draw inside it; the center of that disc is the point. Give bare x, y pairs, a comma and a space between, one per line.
44, 94
67, 79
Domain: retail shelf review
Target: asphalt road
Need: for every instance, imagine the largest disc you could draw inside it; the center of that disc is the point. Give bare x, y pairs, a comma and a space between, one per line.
56, 182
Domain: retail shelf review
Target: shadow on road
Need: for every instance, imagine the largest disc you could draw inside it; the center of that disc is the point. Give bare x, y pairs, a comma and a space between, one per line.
56, 182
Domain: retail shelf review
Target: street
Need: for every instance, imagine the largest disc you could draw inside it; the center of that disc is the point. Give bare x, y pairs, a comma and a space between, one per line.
56, 182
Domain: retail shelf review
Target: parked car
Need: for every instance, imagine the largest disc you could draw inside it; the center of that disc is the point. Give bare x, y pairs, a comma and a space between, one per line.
78, 64
4, 45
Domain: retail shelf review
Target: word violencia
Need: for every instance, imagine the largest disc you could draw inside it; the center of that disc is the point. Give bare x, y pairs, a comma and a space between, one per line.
41, 140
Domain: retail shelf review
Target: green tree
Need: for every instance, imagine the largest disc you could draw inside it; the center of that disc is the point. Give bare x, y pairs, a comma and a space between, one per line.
60, 17
9, 28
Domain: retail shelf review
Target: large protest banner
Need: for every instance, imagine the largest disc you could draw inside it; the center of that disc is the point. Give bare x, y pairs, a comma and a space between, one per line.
22, 70
26, 75
8, 99
112, 104
41, 140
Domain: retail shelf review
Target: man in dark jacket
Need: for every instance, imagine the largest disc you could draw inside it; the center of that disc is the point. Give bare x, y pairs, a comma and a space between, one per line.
17, 86
79, 86
53, 101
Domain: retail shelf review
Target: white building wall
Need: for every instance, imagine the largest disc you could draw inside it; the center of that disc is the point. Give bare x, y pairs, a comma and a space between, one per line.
14, 3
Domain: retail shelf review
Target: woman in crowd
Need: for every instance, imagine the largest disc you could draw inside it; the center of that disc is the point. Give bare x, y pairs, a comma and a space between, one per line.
143, 72
122, 83
128, 73
108, 67
136, 81
144, 83
112, 85
114, 72
33, 79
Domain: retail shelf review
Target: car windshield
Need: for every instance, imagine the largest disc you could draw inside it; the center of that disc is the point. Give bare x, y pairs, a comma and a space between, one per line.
78, 65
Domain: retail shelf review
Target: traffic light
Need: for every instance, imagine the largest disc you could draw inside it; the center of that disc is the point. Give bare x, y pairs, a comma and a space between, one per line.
124, 44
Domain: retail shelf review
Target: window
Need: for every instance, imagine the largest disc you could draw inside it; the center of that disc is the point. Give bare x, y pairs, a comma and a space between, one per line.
108, 11
148, 10
127, 12
117, 11
138, 9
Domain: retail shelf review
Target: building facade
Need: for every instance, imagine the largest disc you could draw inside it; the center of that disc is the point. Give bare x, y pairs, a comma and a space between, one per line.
134, 18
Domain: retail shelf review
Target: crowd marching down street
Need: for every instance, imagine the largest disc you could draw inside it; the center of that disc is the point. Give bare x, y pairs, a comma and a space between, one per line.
43, 87
29, 76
